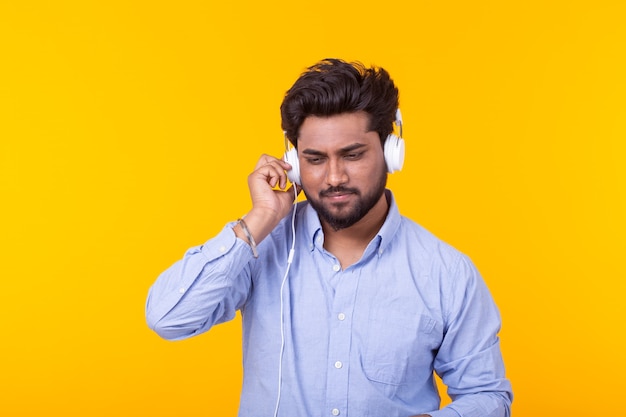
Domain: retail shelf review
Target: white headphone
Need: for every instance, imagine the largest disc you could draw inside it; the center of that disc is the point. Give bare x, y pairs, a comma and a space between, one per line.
393, 149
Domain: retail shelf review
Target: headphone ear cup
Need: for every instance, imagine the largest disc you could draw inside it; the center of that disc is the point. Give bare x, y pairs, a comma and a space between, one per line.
291, 157
394, 153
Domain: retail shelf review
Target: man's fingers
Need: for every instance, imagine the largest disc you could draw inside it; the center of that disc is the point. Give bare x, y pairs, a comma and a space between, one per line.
272, 170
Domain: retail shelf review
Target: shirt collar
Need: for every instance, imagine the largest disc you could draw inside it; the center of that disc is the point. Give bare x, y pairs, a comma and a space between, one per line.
313, 227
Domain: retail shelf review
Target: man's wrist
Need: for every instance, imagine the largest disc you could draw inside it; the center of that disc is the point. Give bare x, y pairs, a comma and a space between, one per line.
246, 232
256, 226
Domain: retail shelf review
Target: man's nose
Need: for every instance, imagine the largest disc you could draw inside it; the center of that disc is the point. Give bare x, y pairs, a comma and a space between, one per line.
336, 173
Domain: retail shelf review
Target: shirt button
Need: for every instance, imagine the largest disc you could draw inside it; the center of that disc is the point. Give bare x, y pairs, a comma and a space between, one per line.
338, 364
341, 316
181, 290
222, 249
336, 268
335, 411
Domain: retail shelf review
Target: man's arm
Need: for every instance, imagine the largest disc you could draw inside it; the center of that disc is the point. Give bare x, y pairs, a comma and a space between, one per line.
469, 360
212, 281
204, 288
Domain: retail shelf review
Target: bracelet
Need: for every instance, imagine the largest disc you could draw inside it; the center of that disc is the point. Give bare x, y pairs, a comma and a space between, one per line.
246, 232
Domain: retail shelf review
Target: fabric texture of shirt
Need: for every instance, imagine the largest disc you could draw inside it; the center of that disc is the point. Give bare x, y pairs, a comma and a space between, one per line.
358, 342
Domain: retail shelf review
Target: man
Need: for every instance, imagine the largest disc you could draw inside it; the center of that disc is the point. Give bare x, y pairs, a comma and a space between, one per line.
349, 312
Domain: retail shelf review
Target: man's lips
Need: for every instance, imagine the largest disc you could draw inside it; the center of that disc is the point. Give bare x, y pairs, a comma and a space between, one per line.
338, 196
340, 193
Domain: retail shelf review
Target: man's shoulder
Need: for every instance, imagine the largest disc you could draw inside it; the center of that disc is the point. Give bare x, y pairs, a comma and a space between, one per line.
427, 242
422, 233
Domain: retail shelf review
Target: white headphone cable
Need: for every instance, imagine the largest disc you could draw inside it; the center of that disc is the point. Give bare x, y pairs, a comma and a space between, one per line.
282, 285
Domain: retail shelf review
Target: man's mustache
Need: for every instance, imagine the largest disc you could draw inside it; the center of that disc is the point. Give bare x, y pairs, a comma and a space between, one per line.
338, 190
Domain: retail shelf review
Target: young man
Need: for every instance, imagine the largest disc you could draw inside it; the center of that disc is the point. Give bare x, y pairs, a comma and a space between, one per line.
349, 312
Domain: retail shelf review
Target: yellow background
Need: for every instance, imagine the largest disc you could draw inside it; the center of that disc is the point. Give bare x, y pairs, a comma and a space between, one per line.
128, 128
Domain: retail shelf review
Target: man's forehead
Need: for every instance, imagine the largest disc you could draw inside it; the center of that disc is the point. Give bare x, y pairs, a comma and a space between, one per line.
344, 127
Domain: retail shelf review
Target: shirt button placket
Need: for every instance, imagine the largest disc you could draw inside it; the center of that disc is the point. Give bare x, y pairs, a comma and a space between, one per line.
339, 343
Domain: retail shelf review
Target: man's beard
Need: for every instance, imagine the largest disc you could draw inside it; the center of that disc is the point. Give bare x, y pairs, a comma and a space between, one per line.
362, 206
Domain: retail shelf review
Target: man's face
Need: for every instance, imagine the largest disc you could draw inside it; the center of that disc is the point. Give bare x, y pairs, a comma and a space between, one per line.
342, 167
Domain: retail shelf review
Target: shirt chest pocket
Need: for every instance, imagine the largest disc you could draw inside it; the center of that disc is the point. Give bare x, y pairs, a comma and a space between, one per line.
400, 348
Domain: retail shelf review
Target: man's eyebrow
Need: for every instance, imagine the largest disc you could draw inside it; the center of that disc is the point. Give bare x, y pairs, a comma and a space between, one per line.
313, 152
352, 147
346, 149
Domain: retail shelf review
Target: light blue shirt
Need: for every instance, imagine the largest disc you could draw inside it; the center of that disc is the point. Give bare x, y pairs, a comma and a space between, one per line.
359, 342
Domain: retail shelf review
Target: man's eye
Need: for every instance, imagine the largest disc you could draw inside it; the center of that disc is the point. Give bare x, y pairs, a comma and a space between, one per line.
314, 161
354, 156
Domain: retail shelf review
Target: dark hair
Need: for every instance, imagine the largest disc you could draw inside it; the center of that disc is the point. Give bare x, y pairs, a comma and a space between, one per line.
333, 86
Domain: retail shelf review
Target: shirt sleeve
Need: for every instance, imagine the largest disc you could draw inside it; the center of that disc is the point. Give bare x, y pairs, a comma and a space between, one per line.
469, 360
206, 287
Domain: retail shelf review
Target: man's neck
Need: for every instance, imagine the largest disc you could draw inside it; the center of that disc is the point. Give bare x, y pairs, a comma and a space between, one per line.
349, 244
